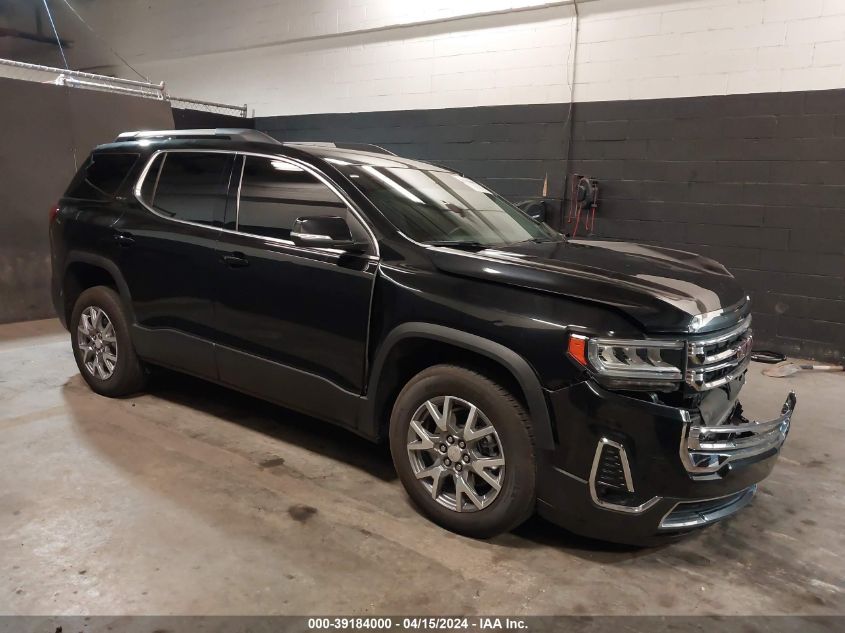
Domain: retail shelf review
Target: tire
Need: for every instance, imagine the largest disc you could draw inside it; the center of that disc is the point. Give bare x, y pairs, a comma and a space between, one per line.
511, 441
126, 374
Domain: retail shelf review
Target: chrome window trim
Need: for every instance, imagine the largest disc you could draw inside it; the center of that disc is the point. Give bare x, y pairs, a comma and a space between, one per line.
320, 250
238, 195
136, 191
626, 469
312, 236
158, 177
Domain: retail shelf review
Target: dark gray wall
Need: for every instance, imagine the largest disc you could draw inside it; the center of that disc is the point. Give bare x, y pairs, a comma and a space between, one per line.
755, 181
510, 148
186, 119
47, 131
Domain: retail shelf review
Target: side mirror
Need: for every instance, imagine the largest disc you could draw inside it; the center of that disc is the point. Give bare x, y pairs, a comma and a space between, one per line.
323, 231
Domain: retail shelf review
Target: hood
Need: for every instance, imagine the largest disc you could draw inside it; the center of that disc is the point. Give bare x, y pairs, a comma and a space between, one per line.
664, 290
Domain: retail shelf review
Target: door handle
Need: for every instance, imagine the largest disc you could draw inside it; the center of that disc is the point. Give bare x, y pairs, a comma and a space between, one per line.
235, 260
124, 239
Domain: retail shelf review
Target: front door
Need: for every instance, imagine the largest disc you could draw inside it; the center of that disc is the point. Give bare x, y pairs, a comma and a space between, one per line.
293, 321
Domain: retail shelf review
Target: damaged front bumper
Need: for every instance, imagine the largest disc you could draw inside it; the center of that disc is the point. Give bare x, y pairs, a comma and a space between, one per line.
635, 471
706, 450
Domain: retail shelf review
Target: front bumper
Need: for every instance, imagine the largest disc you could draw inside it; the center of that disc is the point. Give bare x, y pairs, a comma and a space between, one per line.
634, 471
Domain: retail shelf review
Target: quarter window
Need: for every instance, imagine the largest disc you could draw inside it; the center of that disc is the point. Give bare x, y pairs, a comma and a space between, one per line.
190, 186
101, 176
274, 193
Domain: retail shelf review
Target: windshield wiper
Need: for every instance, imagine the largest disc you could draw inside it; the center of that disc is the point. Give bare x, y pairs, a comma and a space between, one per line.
458, 243
537, 240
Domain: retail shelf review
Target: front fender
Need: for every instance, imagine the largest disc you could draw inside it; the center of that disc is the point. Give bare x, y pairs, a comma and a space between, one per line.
506, 357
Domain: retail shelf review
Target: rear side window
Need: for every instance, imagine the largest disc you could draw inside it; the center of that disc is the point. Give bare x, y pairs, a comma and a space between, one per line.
101, 176
189, 186
274, 193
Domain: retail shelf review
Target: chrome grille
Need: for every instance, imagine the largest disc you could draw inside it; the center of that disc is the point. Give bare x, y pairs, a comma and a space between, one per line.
705, 450
716, 359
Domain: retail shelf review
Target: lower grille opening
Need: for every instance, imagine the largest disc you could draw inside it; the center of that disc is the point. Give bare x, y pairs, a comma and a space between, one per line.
611, 483
610, 473
692, 514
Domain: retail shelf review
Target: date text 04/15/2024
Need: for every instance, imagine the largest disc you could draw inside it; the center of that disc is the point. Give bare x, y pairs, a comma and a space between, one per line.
417, 623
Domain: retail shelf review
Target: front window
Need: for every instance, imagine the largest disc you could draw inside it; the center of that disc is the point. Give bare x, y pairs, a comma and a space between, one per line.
441, 207
275, 193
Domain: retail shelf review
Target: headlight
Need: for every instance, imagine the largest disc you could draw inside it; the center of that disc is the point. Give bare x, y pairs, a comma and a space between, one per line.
630, 363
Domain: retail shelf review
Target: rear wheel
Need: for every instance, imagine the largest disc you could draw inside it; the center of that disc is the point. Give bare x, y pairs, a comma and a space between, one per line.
102, 346
463, 448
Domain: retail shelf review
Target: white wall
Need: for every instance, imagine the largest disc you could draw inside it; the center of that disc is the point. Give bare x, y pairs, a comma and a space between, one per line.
289, 57
709, 47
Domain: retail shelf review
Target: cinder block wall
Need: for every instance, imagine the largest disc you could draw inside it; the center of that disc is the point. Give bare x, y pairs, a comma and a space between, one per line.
754, 181
714, 125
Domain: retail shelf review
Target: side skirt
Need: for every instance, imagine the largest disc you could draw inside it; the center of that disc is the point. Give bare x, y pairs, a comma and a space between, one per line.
283, 385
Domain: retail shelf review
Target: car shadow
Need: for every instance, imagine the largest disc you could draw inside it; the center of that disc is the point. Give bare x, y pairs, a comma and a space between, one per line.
538, 531
344, 446
279, 423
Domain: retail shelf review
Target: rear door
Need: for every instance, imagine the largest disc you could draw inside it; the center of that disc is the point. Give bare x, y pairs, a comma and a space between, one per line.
293, 321
168, 256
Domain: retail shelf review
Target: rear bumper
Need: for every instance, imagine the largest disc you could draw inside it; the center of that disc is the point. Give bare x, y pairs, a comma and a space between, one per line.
633, 471
58, 300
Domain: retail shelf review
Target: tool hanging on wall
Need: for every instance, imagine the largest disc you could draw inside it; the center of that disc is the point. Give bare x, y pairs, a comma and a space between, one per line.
584, 196
543, 208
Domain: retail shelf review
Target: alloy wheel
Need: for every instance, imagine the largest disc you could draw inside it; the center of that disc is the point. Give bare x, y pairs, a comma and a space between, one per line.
456, 454
97, 341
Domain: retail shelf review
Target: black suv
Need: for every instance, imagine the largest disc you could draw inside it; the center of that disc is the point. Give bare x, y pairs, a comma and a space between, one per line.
508, 367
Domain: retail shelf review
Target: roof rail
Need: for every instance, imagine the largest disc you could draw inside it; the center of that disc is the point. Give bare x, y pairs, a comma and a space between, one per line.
364, 147
233, 133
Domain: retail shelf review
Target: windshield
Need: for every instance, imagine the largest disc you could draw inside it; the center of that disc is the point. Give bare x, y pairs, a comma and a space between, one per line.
434, 207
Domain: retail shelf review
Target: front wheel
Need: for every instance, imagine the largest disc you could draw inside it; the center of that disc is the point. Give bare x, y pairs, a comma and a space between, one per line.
463, 448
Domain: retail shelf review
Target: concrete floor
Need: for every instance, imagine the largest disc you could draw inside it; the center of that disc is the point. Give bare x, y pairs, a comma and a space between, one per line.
193, 499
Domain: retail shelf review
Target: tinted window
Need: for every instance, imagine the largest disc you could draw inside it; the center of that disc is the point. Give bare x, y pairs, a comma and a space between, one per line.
189, 186
275, 193
101, 176
440, 206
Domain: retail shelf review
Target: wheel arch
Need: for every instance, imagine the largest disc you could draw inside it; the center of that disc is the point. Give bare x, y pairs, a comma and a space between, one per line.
389, 373
86, 270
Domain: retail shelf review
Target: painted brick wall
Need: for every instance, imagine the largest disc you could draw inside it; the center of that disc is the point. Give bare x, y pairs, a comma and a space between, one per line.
510, 148
755, 181
646, 49
289, 57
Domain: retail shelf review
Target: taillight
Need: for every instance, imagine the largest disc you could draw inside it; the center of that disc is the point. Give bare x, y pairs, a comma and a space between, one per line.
54, 212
